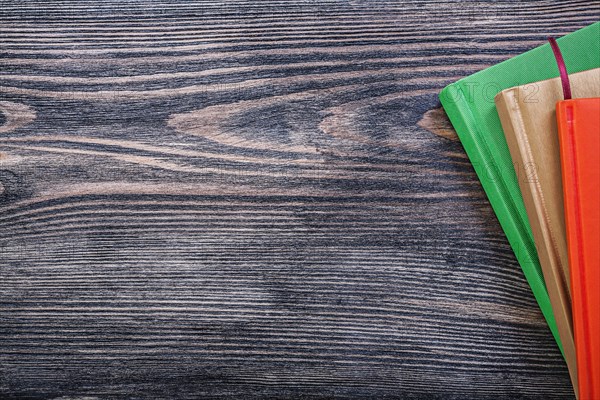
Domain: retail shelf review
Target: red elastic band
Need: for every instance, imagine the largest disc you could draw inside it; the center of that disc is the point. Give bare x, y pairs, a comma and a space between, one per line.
562, 68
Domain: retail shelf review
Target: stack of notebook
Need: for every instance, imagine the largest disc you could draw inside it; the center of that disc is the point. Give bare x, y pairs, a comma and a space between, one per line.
538, 158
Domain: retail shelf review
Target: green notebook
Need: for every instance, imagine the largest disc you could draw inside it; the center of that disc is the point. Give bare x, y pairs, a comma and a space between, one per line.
470, 106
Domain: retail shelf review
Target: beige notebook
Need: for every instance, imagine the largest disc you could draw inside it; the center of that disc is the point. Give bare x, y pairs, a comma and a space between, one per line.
528, 116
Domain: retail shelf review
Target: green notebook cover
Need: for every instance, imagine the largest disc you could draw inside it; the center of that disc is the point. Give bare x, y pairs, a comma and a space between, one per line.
470, 106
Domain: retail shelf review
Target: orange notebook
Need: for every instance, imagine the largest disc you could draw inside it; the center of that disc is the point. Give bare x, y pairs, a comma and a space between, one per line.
579, 137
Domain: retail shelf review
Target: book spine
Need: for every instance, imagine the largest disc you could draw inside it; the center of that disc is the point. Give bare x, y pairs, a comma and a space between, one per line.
461, 115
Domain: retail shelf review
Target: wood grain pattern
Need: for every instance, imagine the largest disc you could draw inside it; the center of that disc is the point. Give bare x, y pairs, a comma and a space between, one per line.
244, 199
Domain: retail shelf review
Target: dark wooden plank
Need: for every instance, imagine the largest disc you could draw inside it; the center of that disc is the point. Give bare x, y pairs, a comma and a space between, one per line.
258, 199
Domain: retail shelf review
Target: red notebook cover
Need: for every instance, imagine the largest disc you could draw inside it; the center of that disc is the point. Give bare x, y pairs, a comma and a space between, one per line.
579, 137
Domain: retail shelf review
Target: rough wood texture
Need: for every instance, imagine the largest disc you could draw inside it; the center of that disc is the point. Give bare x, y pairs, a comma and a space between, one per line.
256, 200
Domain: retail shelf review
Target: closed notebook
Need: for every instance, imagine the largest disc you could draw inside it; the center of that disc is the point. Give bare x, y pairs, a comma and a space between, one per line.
528, 116
579, 136
470, 106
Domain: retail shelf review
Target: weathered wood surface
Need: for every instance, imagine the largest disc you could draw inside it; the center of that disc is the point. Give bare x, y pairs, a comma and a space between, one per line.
256, 200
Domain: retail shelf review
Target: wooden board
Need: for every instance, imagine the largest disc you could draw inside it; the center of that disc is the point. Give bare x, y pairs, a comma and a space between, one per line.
258, 200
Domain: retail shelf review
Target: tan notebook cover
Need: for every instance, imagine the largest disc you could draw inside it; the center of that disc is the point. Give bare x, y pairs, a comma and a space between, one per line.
528, 116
